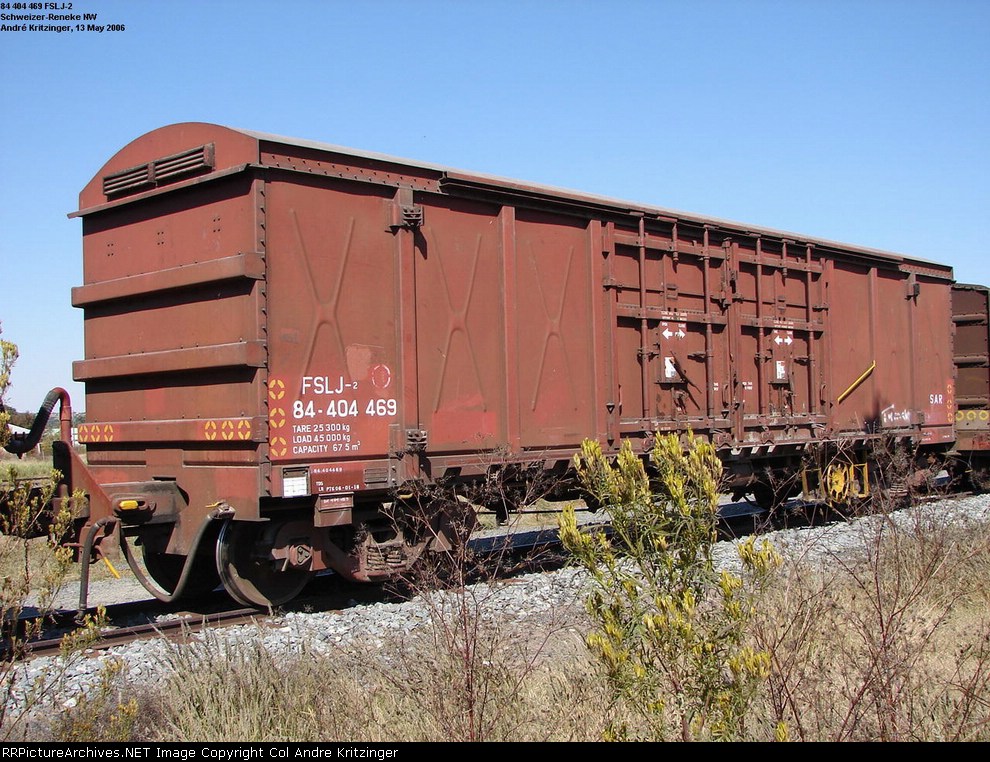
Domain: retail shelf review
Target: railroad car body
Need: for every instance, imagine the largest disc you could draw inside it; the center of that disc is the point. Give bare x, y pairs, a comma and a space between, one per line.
284, 338
971, 347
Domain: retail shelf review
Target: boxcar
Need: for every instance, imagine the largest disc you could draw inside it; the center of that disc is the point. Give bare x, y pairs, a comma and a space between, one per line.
971, 346
283, 336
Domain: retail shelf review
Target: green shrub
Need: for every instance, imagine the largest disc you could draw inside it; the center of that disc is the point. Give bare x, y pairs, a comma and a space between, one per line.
669, 629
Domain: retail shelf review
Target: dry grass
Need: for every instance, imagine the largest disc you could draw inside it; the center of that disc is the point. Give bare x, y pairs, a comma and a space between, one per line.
893, 647
28, 467
35, 555
218, 692
27, 559
541, 514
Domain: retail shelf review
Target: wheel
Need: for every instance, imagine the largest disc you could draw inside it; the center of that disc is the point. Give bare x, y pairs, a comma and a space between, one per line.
768, 498
838, 483
246, 570
166, 568
973, 473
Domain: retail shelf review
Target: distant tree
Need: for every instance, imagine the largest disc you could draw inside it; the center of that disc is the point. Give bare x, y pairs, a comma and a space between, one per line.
17, 418
8, 355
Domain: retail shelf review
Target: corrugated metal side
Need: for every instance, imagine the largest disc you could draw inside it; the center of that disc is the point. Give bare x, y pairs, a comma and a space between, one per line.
174, 302
971, 315
334, 375
890, 347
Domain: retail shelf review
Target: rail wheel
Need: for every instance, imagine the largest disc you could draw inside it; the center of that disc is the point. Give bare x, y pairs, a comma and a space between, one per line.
247, 569
971, 473
166, 568
768, 498
837, 482
772, 497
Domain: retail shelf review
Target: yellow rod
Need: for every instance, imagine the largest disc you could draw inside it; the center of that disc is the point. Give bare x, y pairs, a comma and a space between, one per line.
110, 566
855, 384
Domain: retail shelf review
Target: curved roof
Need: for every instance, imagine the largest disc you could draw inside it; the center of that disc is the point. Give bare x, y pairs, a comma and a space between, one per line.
236, 148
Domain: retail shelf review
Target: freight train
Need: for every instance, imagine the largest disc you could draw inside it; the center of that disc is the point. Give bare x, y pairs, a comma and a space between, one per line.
288, 343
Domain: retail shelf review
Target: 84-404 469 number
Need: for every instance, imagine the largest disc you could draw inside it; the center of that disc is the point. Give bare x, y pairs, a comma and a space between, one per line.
343, 408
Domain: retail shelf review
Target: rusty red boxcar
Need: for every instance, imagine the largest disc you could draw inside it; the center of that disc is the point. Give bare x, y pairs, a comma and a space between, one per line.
282, 335
971, 317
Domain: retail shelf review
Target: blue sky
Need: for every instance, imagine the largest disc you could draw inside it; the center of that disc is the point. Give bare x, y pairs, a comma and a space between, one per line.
864, 121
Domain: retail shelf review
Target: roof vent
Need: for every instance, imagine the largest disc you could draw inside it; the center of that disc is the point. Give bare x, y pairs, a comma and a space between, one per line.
159, 171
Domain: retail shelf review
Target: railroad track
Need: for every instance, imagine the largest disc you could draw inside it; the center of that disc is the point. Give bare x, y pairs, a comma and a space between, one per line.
178, 629
186, 618
530, 549
325, 593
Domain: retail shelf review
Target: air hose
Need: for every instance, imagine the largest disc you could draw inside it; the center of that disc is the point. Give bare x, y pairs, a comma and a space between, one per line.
22, 443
